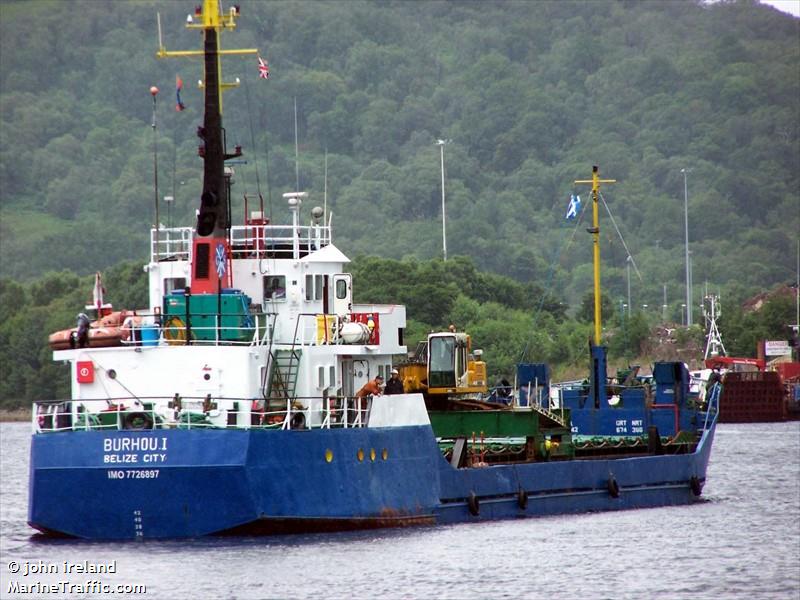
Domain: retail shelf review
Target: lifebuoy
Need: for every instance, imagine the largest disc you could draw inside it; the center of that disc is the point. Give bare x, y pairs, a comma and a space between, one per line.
613, 487
696, 485
137, 420
473, 504
175, 330
125, 329
522, 499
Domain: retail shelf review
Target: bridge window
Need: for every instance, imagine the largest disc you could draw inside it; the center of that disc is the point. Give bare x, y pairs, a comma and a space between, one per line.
275, 287
341, 289
174, 283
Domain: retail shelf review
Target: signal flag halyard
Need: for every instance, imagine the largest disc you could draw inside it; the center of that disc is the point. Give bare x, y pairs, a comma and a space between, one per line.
574, 206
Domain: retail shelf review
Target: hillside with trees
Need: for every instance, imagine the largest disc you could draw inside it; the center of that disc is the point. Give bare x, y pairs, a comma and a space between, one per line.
532, 94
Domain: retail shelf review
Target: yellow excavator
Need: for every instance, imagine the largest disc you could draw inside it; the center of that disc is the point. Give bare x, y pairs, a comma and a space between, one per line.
444, 369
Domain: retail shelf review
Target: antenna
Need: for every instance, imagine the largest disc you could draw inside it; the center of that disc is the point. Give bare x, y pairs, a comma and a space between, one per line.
714, 340
325, 194
296, 167
154, 93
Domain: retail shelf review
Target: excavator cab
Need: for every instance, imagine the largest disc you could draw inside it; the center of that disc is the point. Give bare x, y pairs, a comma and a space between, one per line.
444, 367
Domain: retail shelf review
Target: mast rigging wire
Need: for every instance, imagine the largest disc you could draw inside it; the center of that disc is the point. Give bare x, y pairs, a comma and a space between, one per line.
624, 245
551, 273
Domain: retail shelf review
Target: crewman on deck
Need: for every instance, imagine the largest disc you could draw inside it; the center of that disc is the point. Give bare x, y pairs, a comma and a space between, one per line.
394, 385
373, 388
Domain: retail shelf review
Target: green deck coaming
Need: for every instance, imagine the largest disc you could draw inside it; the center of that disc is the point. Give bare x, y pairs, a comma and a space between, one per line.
514, 426
494, 423
489, 423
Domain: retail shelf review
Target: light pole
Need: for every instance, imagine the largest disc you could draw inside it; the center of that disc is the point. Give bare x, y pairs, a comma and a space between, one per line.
683, 314
442, 144
690, 295
686, 232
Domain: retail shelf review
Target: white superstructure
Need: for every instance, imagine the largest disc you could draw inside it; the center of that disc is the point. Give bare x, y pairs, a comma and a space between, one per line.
294, 357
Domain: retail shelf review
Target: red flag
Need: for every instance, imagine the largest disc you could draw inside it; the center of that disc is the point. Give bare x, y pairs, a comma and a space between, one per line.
263, 68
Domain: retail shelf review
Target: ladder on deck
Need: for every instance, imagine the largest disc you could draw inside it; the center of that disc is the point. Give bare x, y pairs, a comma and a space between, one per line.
550, 414
284, 365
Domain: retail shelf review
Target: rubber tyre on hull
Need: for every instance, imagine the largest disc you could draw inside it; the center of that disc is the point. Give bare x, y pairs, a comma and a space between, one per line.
613, 487
473, 504
137, 420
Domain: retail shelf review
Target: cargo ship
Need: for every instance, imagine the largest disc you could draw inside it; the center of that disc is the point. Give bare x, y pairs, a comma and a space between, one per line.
232, 404
750, 392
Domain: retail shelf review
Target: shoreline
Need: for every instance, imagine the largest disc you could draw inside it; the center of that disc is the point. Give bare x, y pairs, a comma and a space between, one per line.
15, 415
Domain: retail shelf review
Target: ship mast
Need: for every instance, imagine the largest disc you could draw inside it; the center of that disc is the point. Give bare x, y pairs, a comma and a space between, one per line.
210, 251
595, 231
714, 340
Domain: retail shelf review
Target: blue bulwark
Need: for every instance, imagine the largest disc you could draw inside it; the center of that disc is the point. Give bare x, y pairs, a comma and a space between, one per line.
533, 379
672, 383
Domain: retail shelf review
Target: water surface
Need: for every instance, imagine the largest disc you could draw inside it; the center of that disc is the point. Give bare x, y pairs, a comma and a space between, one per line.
742, 542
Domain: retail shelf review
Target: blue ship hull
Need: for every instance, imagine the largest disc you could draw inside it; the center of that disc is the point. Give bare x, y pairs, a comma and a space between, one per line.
186, 483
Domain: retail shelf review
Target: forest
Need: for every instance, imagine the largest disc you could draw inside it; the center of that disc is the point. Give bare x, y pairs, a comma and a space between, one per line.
692, 107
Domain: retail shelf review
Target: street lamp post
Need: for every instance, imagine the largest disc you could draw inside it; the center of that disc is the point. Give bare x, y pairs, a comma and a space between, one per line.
442, 144
686, 233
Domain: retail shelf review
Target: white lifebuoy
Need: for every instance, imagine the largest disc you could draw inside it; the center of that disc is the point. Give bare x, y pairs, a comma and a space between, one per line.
126, 330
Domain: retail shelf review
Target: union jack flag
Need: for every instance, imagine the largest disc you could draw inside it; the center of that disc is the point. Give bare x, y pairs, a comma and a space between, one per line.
263, 68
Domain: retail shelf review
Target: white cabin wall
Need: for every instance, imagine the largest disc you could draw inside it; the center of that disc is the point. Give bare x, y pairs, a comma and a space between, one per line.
163, 371
158, 272
392, 318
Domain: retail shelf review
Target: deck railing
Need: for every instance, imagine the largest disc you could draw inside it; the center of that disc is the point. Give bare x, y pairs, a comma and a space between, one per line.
243, 329
246, 241
145, 414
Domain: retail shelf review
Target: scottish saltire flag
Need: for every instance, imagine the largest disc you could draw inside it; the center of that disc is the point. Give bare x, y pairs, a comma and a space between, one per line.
263, 68
178, 87
574, 206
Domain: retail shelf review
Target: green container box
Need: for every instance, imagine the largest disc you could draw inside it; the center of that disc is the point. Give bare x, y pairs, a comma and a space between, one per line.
229, 309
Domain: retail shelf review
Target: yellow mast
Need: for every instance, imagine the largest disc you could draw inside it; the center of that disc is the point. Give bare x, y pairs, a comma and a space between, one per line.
209, 18
595, 231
